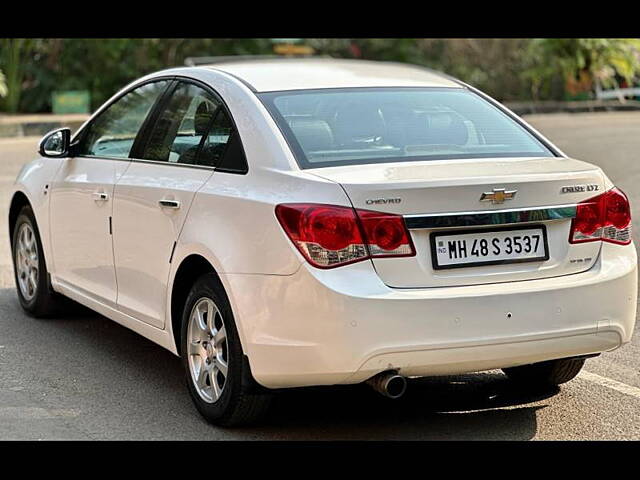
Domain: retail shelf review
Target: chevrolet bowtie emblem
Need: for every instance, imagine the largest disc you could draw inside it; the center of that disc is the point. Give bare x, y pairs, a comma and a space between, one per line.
499, 195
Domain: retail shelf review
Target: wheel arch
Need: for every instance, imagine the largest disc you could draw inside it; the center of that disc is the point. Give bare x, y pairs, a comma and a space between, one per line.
18, 201
190, 269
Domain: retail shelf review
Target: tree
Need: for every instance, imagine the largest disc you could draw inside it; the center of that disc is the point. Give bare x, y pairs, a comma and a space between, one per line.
12, 52
601, 60
3, 85
104, 66
490, 64
508, 69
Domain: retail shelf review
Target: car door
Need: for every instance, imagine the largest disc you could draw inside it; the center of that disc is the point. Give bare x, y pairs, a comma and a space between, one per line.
82, 192
153, 196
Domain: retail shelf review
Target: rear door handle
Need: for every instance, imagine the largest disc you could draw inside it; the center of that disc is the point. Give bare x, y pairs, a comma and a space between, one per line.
169, 203
100, 196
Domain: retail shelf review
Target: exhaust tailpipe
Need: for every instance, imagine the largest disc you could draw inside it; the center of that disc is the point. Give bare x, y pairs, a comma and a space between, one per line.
389, 384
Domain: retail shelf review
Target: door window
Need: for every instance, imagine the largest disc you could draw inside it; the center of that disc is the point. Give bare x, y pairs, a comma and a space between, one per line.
181, 127
112, 133
215, 142
194, 128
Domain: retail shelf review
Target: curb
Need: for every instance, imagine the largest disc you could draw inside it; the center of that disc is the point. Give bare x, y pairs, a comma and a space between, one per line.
531, 108
37, 125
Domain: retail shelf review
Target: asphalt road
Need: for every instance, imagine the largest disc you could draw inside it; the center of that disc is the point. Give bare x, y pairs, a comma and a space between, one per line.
85, 377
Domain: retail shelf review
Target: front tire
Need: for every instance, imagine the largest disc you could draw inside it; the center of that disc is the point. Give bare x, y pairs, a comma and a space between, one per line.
217, 373
546, 374
30, 269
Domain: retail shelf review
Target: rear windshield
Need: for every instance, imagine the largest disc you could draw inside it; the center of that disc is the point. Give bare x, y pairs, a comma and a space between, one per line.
354, 126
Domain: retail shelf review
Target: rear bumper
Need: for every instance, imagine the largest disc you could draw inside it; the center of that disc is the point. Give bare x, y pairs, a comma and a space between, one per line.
320, 327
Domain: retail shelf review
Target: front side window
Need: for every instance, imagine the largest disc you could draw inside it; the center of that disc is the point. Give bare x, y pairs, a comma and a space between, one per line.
355, 126
112, 133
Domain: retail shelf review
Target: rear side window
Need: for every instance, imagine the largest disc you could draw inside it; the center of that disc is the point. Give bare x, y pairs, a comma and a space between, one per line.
215, 140
112, 133
193, 128
181, 125
362, 125
224, 146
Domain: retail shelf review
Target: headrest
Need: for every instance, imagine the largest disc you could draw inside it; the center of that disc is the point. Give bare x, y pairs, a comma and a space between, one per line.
313, 134
357, 119
202, 118
447, 128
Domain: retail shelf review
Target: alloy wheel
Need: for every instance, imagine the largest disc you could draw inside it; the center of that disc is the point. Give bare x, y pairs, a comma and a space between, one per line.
207, 350
26, 261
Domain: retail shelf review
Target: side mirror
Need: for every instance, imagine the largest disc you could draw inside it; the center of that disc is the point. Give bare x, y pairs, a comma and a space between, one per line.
56, 143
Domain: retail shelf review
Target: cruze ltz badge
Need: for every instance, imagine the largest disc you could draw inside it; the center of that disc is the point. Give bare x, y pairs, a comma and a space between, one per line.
592, 187
499, 195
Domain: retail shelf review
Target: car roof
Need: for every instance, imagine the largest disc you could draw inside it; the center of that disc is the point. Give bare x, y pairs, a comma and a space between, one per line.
266, 75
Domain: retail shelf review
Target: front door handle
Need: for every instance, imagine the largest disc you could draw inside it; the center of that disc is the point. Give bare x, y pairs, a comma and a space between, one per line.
169, 203
100, 196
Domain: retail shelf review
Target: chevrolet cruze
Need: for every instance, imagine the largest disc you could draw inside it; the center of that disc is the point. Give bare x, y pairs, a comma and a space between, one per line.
298, 222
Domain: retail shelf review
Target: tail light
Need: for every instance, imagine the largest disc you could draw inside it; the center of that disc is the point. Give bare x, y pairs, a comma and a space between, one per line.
606, 217
330, 236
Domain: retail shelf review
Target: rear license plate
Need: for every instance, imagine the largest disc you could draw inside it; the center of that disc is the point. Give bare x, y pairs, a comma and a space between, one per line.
495, 246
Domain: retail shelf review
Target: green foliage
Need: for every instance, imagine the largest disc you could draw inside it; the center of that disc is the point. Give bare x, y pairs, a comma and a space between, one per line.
12, 56
604, 60
508, 69
3, 85
490, 64
104, 66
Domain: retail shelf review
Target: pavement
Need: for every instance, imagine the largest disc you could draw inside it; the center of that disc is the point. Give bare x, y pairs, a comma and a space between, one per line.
86, 377
14, 153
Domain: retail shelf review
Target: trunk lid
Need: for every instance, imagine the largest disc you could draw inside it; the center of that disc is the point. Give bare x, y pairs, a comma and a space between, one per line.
451, 190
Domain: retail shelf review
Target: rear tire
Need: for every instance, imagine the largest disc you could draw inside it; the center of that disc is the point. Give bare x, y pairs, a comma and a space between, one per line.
30, 269
210, 347
546, 374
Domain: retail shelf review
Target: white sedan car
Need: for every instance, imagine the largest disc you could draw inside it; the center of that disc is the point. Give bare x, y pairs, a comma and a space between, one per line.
297, 222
